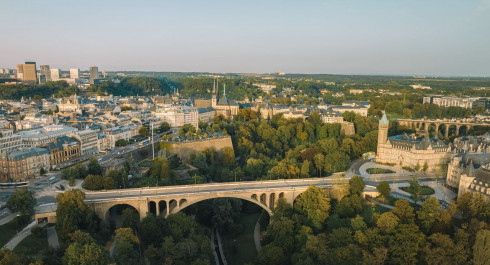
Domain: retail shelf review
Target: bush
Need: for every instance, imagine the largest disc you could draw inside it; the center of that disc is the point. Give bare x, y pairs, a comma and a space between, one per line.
71, 183
38, 231
21, 221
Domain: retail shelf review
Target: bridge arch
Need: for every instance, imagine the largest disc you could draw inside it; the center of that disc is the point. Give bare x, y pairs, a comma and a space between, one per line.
107, 209
191, 202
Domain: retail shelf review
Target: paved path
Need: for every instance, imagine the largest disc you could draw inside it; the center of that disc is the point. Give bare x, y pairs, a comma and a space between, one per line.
53, 238
19, 237
257, 236
8, 218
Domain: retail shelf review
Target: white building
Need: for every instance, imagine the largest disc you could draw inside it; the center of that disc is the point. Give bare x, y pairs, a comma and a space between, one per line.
9, 141
177, 116
75, 73
55, 74
45, 135
88, 141
116, 133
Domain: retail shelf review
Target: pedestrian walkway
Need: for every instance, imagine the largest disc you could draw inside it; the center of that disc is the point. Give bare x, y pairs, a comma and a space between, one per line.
19, 237
53, 238
257, 236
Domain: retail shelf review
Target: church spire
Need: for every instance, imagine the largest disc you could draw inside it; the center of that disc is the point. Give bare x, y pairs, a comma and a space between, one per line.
224, 90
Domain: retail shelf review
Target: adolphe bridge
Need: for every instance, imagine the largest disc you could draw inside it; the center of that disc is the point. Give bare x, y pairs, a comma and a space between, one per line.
163, 201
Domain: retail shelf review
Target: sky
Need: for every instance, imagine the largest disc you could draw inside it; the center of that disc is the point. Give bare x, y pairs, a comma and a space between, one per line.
407, 37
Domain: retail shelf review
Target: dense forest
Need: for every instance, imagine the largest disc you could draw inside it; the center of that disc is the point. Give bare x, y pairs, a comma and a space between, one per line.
341, 228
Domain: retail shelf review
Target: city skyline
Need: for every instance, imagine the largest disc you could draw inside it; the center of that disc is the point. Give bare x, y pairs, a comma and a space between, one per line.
417, 38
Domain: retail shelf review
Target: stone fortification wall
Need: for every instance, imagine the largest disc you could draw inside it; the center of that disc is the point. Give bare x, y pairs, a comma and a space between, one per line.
185, 149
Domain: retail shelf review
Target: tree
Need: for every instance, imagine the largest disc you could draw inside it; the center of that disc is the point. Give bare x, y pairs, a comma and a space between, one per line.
415, 190
164, 127
94, 167
318, 160
93, 182
404, 211
108, 183
71, 213
121, 142
428, 213
426, 166
405, 244
130, 218
384, 189
254, 168
481, 248
87, 254
305, 169
271, 254
442, 250
228, 156
356, 185
22, 201
314, 205
143, 131
81, 238
387, 222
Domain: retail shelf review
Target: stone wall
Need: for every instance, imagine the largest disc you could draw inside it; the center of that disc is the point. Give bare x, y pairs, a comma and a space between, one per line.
185, 149
347, 128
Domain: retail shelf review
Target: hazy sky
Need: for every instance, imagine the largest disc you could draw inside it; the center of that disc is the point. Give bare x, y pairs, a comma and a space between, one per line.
413, 37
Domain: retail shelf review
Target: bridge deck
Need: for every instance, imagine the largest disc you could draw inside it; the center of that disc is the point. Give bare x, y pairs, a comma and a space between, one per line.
207, 188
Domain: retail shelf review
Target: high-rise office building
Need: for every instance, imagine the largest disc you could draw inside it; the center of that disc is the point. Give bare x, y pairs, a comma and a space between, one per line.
55, 74
20, 71
74, 73
30, 74
94, 74
46, 72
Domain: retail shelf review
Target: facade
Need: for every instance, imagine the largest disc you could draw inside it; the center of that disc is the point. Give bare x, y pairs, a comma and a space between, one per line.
88, 141
117, 133
63, 149
74, 73
44, 135
9, 141
46, 72
29, 72
177, 116
55, 74
94, 74
23, 163
475, 180
70, 104
223, 106
20, 71
408, 151
361, 110
448, 101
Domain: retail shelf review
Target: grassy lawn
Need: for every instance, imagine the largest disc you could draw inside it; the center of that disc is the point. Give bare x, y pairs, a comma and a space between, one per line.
378, 171
426, 190
32, 246
240, 249
7, 231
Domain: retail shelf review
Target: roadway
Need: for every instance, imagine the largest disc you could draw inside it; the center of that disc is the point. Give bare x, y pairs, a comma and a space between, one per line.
208, 188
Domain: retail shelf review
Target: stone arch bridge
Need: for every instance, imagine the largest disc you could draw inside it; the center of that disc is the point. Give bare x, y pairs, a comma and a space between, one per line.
167, 200
440, 124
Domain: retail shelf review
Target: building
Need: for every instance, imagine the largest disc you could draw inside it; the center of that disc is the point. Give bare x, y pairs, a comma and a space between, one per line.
409, 151
47, 134
70, 104
23, 163
46, 72
55, 74
30, 74
74, 73
63, 149
94, 74
449, 101
88, 141
223, 106
9, 141
116, 133
20, 72
177, 116
358, 109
